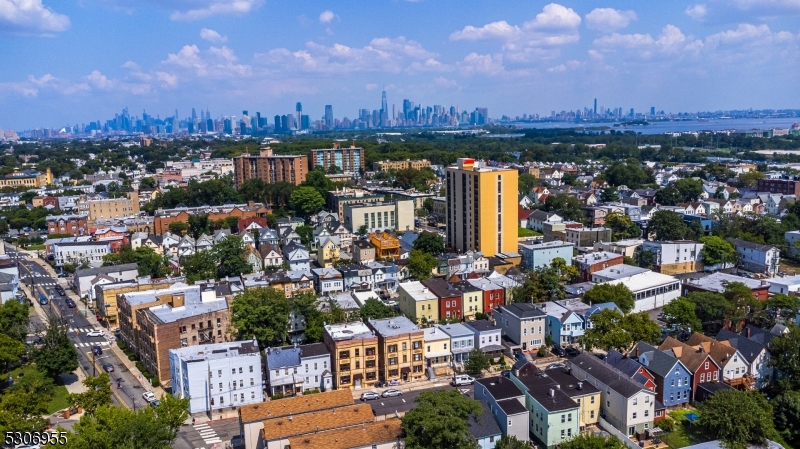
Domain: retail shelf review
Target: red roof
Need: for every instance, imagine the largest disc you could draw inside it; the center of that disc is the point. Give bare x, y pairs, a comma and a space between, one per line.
524, 213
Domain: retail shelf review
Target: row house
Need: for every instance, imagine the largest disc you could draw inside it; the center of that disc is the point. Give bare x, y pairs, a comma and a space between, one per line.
401, 356
523, 326
488, 337
293, 370
676, 257
542, 255
418, 302
450, 299
590, 263
507, 405
631, 368
754, 352
671, 376
565, 321
76, 225
699, 363
437, 352
733, 365
493, 294
327, 281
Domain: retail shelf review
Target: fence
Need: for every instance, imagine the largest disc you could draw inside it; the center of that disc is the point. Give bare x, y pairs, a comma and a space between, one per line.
617, 434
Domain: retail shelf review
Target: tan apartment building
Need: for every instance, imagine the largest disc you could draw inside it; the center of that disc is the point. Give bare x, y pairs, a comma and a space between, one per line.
105, 294
395, 215
27, 178
348, 160
481, 208
270, 168
400, 349
401, 165
338, 199
155, 321
354, 352
99, 208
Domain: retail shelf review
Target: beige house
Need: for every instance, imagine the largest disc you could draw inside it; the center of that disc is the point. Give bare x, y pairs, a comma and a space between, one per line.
437, 350
417, 302
327, 252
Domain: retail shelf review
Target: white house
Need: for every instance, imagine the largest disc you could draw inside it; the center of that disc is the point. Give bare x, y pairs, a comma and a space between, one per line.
296, 255
77, 253
217, 376
296, 369
651, 290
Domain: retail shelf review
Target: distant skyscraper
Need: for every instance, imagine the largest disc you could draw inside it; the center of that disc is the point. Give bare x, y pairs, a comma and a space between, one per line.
244, 113
652, 110
384, 114
299, 109
595, 106
277, 123
194, 115
329, 116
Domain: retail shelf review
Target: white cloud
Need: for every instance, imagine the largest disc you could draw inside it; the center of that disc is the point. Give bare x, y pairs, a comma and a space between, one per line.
326, 16
131, 65
444, 82
381, 54
765, 4
99, 80
555, 26
371, 86
569, 65
697, 12
31, 17
212, 36
483, 64
744, 32
609, 19
209, 8
429, 65
43, 80
167, 79
217, 62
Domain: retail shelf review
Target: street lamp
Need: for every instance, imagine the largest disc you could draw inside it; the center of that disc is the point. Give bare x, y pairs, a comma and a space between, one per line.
94, 362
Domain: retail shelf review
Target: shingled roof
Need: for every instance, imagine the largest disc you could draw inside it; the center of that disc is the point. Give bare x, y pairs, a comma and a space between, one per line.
691, 357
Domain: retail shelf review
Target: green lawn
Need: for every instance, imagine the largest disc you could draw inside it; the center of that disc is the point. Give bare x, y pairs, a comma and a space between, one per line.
525, 232
685, 433
59, 402
35, 247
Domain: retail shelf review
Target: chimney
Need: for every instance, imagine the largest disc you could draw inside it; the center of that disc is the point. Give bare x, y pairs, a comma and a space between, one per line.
637, 352
580, 385
552, 393
747, 332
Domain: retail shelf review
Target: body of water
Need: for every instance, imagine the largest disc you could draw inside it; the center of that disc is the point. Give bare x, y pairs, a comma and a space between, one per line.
678, 126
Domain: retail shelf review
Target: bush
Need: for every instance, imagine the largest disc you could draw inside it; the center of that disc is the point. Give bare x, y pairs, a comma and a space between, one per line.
131, 357
307, 392
276, 396
122, 346
542, 351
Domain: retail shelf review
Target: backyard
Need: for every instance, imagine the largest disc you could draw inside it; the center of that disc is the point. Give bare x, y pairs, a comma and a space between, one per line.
59, 401
685, 432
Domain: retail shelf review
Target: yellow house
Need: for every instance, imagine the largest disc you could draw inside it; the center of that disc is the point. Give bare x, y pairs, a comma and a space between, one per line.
386, 245
328, 252
437, 351
417, 302
105, 294
471, 299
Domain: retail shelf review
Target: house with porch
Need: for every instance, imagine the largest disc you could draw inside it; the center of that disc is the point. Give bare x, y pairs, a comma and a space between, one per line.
672, 378
702, 366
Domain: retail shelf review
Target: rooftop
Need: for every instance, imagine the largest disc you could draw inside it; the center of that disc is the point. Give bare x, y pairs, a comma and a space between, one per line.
349, 331
217, 351
545, 245
482, 325
433, 334
620, 271
522, 310
645, 281
750, 245
357, 436
596, 257
484, 425
392, 327
606, 374
455, 330
295, 405
718, 281
500, 388
417, 291
318, 421
92, 272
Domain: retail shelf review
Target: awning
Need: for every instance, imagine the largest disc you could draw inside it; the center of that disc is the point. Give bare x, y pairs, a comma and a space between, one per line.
492, 348
358, 376
405, 370
431, 355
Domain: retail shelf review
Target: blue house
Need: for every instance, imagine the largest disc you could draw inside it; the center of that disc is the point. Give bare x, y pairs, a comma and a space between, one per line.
673, 379
587, 316
541, 255
706, 224
565, 325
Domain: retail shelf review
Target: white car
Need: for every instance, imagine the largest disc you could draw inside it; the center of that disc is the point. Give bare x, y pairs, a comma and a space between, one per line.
462, 379
148, 396
94, 333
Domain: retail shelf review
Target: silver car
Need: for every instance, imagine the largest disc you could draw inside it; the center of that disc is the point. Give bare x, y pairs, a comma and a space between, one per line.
390, 393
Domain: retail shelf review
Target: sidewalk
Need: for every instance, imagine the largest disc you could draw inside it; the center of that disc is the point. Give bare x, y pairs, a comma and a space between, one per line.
92, 319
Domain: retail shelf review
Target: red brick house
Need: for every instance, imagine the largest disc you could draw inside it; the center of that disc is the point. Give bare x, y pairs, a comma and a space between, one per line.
67, 224
702, 366
450, 300
116, 237
588, 264
631, 368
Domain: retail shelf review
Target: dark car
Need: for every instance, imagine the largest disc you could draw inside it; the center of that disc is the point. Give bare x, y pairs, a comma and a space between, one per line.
70, 303
107, 367
572, 352
60, 290
97, 350
559, 351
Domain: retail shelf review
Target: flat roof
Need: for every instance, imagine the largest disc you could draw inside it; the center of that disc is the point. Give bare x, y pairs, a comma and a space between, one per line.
431, 334
545, 245
644, 281
456, 330
390, 327
348, 331
620, 271
718, 282
417, 291
218, 350
318, 421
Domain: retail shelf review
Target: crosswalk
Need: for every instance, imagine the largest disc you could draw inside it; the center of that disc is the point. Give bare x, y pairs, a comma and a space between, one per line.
89, 345
83, 330
208, 434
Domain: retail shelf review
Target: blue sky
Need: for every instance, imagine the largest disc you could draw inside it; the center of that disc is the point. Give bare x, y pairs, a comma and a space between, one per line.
72, 61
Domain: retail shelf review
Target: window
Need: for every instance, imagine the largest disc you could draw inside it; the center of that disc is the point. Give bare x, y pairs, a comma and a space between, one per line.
563, 433
592, 401
240, 370
702, 377
220, 386
251, 368
634, 415
635, 401
706, 365
563, 418
591, 414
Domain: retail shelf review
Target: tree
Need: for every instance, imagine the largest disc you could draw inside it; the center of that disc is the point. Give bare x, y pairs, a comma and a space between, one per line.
784, 353
511, 442
421, 265
526, 183
23, 405
786, 416
408, 178
542, 284
440, 420
609, 195
568, 207
680, 313
667, 225
430, 243
111, 427
689, 189
306, 201
14, 317
97, 394
622, 226
375, 309
229, 253
306, 234
56, 355
198, 224
148, 183
362, 230
316, 179
592, 441
743, 303
717, 251
99, 188
198, 266
737, 418
477, 362
148, 262
710, 307
612, 330
263, 314
11, 350
619, 294
668, 196
630, 174
178, 227
750, 179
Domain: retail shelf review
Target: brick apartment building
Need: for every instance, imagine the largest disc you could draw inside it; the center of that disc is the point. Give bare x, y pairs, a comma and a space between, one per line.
784, 186
588, 264
270, 168
68, 224
349, 160
400, 349
163, 217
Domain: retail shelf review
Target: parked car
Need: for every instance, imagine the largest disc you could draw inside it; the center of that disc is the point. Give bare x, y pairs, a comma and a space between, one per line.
390, 393
559, 351
70, 303
370, 396
63, 275
107, 367
462, 379
572, 352
60, 290
148, 396
155, 403
94, 333
43, 300
97, 350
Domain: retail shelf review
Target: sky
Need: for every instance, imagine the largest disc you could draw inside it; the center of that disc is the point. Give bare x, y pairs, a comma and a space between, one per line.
75, 61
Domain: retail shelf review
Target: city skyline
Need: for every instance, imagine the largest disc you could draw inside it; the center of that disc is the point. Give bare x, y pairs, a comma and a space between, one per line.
513, 58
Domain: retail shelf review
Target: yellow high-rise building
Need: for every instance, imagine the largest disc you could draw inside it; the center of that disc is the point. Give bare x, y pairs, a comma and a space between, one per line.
481, 208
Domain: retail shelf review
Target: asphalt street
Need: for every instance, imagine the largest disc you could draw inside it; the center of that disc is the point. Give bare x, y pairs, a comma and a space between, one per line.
405, 402
32, 273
